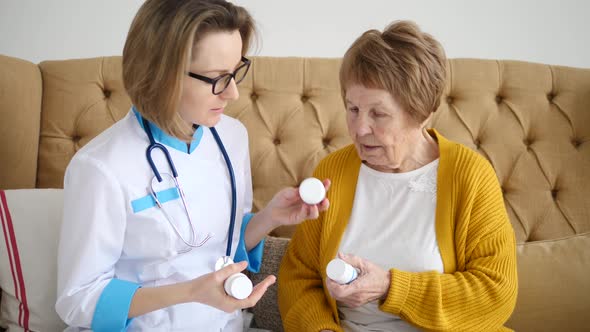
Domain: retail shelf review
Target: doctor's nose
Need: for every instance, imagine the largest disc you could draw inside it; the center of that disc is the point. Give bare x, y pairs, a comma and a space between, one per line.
231, 92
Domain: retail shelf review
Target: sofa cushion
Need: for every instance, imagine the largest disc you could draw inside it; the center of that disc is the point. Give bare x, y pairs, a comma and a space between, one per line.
553, 295
554, 285
31, 220
266, 311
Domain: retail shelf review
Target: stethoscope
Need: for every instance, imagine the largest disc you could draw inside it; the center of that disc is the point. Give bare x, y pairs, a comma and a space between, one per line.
193, 243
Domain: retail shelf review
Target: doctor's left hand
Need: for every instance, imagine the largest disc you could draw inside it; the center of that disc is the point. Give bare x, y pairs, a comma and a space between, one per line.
287, 207
208, 289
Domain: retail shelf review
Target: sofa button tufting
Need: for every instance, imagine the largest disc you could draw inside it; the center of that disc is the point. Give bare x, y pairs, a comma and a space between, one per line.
326, 142
449, 100
550, 96
477, 143
304, 98
253, 96
554, 193
276, 141
576, 142
107, 93
499, 99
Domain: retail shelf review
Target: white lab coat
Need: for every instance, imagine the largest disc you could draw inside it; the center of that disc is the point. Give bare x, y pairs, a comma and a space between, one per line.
105, 235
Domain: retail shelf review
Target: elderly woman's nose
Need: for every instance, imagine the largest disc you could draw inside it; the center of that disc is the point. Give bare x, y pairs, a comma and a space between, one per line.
362, 125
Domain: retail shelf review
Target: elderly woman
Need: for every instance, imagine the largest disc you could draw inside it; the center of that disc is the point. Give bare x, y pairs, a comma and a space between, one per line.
420, 217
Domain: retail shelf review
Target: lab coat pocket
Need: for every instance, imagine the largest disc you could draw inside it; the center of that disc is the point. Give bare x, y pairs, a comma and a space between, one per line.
148, 202
149, 234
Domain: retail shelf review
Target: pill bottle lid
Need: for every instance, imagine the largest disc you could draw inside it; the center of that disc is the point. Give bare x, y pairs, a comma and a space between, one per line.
340, 271
239, 286
312, 191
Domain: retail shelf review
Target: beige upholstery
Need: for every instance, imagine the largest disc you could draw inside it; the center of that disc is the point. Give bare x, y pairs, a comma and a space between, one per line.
530, 120
559, 268
20, 117
81, 98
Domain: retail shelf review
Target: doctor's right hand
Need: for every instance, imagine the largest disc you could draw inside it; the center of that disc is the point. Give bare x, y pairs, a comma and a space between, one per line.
208, 289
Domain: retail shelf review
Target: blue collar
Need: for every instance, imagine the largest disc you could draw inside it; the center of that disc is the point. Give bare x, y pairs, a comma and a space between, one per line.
168, 140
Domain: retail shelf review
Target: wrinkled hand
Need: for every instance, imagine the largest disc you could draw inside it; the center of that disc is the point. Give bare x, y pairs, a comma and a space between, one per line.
371, 284
208, 289
287, 207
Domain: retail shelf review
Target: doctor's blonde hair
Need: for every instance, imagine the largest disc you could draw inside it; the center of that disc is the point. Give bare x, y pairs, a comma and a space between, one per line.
159, 48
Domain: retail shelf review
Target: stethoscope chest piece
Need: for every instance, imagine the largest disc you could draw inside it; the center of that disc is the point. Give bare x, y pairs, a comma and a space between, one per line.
223, 262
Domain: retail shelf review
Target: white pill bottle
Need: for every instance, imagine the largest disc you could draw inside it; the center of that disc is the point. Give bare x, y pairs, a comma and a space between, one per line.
238, 285
341, 272
312, 191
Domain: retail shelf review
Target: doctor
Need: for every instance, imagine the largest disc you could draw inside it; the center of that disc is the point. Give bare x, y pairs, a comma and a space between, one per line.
154, 202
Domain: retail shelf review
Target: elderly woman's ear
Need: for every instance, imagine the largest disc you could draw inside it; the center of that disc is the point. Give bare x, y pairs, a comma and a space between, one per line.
431, 140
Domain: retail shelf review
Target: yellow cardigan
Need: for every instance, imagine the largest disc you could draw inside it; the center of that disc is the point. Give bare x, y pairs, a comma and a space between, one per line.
476, 292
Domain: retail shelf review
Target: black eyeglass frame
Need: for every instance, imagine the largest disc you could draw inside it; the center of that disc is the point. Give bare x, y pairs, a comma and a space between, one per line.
213, 81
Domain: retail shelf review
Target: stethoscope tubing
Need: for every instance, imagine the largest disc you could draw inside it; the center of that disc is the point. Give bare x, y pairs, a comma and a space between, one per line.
233, 190
155, 145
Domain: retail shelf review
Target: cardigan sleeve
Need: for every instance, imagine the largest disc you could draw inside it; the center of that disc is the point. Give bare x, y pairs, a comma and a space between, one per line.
302, 302
481, 294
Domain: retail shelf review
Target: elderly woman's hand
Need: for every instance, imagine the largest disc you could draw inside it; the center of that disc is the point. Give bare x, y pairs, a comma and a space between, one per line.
371, 284
287, 207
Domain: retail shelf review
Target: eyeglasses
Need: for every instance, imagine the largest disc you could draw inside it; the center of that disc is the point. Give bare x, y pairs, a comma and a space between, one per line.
221, 82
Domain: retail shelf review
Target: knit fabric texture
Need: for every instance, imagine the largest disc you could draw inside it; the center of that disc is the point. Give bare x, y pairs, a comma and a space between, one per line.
476, 292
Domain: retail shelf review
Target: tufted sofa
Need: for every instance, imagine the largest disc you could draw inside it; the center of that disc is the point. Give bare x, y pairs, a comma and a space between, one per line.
531, 121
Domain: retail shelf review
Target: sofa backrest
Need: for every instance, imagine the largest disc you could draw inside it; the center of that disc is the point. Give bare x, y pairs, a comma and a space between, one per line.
529, 120
20, 119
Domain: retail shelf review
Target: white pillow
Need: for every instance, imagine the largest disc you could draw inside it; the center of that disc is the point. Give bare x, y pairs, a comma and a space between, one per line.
31, 220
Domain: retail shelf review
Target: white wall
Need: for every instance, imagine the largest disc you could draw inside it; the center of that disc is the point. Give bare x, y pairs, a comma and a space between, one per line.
553, 32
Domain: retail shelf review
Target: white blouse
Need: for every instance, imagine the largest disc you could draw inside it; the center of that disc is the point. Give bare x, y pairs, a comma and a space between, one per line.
392, 224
